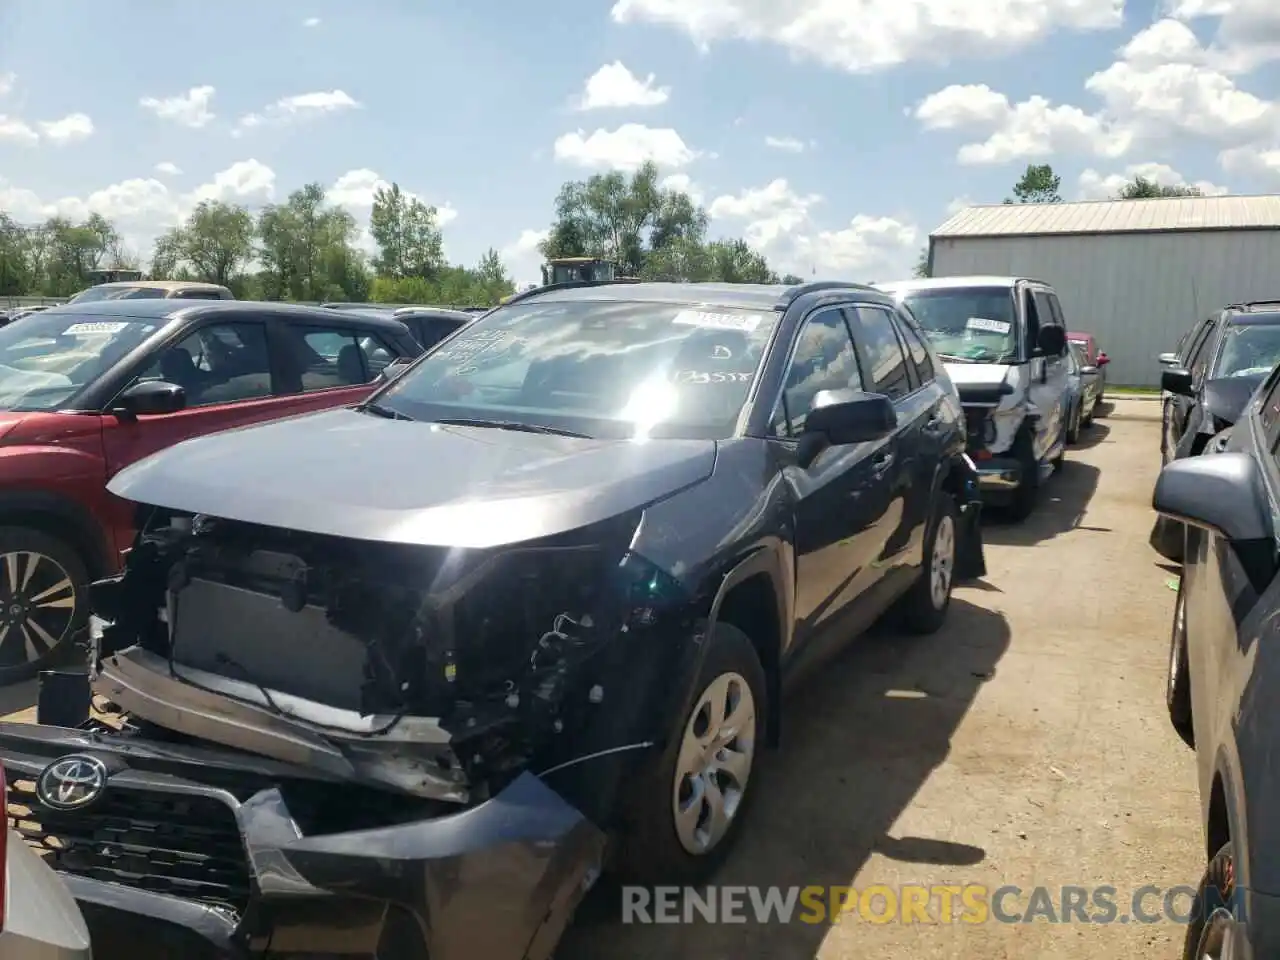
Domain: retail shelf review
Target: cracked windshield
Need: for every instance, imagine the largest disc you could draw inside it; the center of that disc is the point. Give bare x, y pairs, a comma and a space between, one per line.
1249, 350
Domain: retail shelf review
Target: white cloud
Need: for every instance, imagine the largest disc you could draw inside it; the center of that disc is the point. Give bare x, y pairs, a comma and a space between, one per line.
1247, 34
874, 34
1028, 130
7, 83
143, 207
780, 222
958, 204
355, 190
683, 183
311, 22
613, 85
789, 144
1164, 88
1096, 186
72, 127
523, 258
190, 109
300, 107
1253, 161
168, 169
14, 130
625, 148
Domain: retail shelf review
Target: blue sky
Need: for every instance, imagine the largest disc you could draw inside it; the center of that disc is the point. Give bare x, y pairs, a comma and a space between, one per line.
834, 134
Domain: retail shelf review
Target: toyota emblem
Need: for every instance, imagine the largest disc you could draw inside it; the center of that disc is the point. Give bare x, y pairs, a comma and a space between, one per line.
72, 783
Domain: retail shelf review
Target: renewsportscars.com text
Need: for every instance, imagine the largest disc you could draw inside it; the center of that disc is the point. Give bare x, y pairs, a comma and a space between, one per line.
927, 904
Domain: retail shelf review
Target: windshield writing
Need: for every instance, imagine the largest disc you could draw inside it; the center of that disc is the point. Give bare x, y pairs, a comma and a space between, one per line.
968, 324
1249, 351
48, 358
598, 368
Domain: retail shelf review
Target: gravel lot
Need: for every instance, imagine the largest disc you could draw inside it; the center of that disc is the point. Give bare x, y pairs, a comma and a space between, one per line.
1024, 744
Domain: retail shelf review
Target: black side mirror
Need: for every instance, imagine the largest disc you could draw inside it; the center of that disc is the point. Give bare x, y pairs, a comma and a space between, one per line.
1051, 341
395, 368
1176, 380
838, 417
1222, 493
149, 397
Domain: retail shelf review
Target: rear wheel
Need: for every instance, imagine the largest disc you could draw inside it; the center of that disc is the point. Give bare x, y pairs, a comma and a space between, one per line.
1027, 493
43, 601
924, 606
1212, 927
1178, 684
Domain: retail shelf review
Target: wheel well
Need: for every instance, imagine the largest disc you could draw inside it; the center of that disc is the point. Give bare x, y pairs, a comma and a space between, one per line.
65, 529
1218, 827
752, 607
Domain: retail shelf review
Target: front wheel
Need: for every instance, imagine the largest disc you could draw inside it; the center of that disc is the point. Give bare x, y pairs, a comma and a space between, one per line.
1212, 927
691, 799
1027, 493
1073, 431
43, 601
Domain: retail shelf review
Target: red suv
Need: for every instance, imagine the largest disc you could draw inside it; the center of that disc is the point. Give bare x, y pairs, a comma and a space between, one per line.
87, 389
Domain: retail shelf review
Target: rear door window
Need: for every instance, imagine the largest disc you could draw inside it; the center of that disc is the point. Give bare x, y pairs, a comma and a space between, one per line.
916, 349
824, 360
220, 363
883, 350
322, 358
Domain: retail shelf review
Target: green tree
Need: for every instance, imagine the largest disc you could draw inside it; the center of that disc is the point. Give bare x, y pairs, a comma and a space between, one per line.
1142, 188
16, 273
215, 242
408, 235
1039, 184
791, 280
307, 250
922, 263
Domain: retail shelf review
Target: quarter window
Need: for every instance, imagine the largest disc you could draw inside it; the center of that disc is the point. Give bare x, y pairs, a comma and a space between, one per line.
824, 360
221, 363
888, 372
323, 358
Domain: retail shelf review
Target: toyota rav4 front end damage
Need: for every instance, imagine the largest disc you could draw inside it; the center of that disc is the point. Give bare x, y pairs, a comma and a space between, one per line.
310, 737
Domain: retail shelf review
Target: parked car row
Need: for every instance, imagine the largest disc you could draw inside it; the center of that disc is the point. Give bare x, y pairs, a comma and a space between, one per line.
1217, 497
522, 603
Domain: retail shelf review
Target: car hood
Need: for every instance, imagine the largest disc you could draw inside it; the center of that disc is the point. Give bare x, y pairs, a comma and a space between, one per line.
350, 474
980, 382
1226, 398
9, 420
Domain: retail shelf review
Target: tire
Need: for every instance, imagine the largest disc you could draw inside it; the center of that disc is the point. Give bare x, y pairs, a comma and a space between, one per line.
924, 607
40, 619
1169, 538
1027, 493
1210, 916
657, 847
1073, 430
1088, 419
1178, 680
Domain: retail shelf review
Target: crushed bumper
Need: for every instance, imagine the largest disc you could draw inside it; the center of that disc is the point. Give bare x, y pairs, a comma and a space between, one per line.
998, 475
209, 857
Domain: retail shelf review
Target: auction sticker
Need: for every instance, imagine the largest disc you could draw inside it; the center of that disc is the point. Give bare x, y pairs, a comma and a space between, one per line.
98, 326
746, 322
988, 326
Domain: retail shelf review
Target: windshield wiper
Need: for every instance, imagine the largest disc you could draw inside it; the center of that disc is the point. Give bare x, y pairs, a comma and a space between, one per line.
378, 410
952, 358
515, 425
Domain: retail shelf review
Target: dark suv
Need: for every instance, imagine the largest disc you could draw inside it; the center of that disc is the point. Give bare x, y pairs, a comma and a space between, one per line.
541, 591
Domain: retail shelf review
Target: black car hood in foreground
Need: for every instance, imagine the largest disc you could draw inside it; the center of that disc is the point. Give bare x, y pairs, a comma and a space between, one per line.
349, 474
1226, 397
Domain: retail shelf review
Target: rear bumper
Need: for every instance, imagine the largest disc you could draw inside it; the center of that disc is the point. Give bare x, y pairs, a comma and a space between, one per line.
498, 880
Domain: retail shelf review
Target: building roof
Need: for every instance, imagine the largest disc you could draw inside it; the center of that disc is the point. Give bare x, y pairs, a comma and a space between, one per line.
1155, 215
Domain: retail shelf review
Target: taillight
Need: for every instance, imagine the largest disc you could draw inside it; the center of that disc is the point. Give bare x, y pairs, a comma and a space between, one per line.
4, 848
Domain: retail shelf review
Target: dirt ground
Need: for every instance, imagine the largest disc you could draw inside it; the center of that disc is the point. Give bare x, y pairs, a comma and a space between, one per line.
1026, 743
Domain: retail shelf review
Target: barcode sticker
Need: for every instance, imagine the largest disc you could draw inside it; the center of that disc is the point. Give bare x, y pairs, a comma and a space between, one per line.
988, 326
97, 326
746, 322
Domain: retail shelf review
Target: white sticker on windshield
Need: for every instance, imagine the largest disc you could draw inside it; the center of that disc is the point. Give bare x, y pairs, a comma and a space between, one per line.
746, 322
988, 326
97, 326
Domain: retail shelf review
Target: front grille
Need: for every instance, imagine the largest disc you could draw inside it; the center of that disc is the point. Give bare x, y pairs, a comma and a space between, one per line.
173, 843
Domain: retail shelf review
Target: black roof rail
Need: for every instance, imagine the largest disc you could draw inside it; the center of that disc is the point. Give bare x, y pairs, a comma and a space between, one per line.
818, 286
567, 285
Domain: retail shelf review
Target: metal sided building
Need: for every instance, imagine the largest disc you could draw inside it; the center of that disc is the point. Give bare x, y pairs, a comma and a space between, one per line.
1135, 273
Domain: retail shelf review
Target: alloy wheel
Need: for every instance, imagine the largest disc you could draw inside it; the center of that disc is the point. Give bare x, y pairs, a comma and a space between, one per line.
942, 565
714, 763
1217, 940
37, 606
